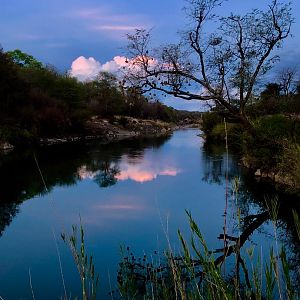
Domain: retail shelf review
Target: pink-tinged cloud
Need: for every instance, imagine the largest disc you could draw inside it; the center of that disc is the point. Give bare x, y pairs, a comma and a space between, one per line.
105, 15
141, 175
118, 206
169, 173
114, 27
105, 21
85, 68
114, 66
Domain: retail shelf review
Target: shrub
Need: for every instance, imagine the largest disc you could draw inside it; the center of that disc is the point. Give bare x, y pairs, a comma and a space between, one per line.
210, 119
274, 127
289, 163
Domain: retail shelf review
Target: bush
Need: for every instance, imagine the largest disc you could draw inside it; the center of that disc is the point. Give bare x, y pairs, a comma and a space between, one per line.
274, 127
289, 162
209, 120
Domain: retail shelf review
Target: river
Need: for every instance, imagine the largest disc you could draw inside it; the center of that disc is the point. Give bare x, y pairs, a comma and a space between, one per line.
132, 193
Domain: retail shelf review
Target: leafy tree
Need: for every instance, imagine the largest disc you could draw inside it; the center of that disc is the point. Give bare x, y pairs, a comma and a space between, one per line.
222, 66
12, 88
105, 96
24, 60
272, 90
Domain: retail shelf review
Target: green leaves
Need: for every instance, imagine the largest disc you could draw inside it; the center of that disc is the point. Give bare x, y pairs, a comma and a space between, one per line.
24, 60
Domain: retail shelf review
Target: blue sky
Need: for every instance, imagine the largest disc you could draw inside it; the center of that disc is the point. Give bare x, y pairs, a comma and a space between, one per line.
57, 32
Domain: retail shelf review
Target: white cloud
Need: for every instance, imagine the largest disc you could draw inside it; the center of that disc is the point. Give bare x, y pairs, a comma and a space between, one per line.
86, 69
113, 66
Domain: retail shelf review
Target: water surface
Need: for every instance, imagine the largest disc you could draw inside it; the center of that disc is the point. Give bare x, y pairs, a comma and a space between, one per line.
130, 193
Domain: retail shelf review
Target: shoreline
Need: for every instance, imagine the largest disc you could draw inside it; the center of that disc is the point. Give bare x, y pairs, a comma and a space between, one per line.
277, 179
103, 129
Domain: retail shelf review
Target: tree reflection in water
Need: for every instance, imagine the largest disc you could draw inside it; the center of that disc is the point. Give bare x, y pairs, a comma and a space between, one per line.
261, 195
249, 209
107, 175
62, 165
214, 164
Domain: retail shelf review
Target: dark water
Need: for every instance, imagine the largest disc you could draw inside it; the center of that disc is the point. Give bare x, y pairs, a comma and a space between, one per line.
127, 193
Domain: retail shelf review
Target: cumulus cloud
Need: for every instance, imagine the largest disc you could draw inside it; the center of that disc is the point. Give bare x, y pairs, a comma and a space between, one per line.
114, 66
86, 69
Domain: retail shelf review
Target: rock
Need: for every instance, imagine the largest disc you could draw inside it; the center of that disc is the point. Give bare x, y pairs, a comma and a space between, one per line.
246, 163
277, 178
6, 146
258, 173
164, 130
271, 175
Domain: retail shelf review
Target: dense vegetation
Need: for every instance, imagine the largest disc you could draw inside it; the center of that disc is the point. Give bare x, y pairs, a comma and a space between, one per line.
38, 101
272, 143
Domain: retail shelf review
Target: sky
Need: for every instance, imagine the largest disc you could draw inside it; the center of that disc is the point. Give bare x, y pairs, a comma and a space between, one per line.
91, 34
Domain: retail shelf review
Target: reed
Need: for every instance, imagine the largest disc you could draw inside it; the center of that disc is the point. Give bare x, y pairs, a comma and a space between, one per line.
196, 273
84, 262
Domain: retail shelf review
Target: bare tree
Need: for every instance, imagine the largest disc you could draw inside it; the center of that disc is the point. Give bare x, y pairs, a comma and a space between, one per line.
287, 81
219, 64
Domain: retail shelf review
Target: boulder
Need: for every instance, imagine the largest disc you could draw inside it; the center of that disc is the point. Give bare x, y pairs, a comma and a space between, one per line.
258, 173
164, 130
246, 163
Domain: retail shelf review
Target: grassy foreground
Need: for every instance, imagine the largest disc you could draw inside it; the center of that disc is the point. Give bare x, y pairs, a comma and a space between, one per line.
195, 272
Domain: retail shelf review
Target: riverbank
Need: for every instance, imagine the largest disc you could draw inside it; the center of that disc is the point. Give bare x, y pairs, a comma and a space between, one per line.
271, 152
282, 179
114, 129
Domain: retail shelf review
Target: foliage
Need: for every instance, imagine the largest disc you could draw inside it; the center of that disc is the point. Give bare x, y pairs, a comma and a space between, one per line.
289, 162
38, 101
273, 148
271, 90
275, 127
209, 120
24, 60
272, 101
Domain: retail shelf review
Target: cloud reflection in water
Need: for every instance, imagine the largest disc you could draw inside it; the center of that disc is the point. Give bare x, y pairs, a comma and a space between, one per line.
139, 171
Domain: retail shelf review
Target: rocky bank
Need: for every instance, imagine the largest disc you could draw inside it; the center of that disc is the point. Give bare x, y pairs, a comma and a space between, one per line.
118, 128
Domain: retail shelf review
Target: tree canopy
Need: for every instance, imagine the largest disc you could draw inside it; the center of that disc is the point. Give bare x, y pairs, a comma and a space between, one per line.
23, 59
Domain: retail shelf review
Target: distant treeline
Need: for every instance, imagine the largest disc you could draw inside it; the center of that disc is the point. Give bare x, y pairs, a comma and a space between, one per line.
38, 101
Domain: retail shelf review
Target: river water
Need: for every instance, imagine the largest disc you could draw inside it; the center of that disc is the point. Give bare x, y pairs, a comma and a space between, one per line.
132, 193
